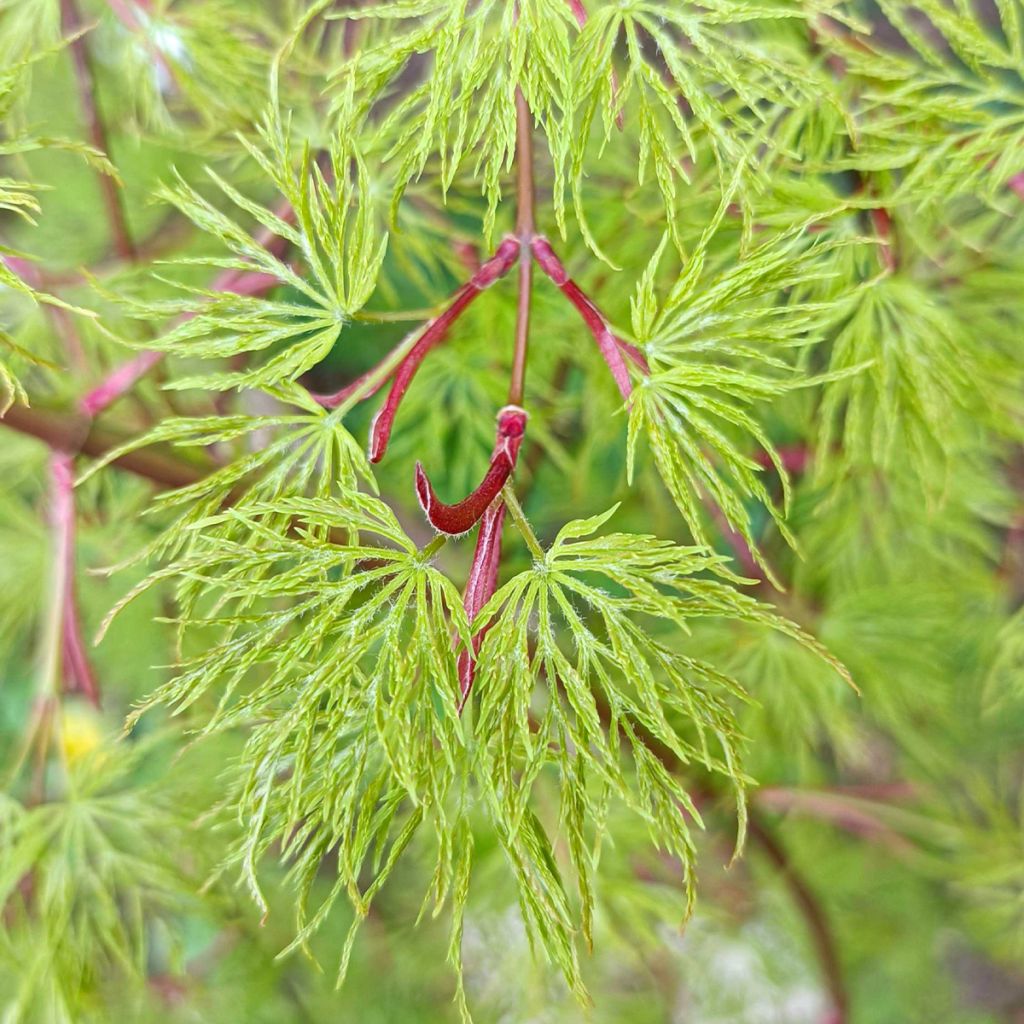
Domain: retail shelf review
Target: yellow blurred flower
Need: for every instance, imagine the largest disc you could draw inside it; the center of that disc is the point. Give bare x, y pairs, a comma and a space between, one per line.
81, 730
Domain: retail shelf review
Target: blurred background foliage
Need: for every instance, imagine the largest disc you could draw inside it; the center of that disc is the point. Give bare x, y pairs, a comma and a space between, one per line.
885, 867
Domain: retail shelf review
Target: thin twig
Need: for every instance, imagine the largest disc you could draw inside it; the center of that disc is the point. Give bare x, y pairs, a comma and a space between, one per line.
480, 587
483, 574
813, 913
85, 79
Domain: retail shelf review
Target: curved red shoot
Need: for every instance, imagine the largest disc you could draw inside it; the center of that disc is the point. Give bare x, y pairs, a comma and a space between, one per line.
460, 517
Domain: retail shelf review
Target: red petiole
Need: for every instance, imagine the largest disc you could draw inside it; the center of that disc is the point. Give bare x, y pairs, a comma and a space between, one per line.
610, 346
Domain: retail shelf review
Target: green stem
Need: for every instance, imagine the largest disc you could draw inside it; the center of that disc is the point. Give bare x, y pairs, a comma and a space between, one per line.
432, 547
373, 380
519, 518
398, 316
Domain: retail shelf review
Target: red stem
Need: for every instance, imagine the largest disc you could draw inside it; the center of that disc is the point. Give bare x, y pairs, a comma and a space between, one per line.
483, 575
579, 12
78, 674
480, 588
119, 381
882, 222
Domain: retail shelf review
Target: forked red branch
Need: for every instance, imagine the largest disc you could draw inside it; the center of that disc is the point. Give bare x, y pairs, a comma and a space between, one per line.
494, 269
460, 517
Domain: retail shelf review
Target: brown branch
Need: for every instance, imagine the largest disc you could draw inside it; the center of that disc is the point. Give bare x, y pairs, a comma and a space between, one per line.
77, 434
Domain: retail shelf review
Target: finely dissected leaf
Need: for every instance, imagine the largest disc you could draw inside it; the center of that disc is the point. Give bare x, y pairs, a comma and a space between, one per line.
920, 375
720, 345
275, 457
820, 206
340, 658
943, 100
464, 107
89, 873
600, 627
713, 85
333, 231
